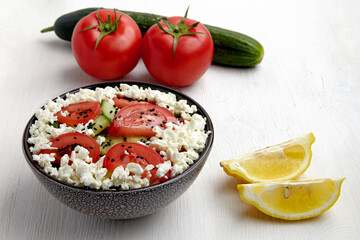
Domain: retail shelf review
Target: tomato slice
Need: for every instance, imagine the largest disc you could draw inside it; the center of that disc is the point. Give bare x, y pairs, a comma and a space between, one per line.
121, 101
67, 142
139, 119
79, 113
129, 152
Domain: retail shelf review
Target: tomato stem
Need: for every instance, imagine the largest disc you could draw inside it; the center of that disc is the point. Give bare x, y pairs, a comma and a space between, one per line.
106, 28
177, 30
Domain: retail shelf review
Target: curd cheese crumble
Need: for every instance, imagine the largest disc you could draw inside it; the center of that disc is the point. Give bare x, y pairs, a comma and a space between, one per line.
179, 145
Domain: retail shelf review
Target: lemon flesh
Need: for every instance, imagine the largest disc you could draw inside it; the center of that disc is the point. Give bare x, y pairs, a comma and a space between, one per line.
292, 200
283, 161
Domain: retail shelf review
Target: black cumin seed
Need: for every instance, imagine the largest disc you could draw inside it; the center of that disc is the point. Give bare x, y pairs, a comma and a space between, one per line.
112, 160
101, 126
91, 147
151, 110
95, 129
108, 157
155, 114
161, 125
69, 114
78, 117
111, 111
90, 110
142, 112
140, 117
123, 145
149, 120
129, 147
57, 139
75, 138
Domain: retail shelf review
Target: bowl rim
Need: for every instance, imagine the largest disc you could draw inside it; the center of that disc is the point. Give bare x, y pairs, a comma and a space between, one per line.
202, 158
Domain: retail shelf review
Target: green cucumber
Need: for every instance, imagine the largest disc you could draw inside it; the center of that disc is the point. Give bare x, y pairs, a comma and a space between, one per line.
104, 120
108, 110
100, 123
109, 142
137, 139
55, 124
230, 48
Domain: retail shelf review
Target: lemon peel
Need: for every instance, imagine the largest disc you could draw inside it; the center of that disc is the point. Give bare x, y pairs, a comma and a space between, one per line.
292, 199
284, 161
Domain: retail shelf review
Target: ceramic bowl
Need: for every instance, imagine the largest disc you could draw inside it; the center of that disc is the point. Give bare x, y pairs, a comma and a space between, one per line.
122, 204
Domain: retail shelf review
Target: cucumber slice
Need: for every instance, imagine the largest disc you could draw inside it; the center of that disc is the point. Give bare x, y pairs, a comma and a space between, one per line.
142, 139
109, 142
100, 123
55, 124
108, 110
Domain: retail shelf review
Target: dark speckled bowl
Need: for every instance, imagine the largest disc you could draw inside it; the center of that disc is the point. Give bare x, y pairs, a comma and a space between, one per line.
122, 204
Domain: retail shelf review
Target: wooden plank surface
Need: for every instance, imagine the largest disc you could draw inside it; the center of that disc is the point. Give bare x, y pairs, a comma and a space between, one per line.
309, 81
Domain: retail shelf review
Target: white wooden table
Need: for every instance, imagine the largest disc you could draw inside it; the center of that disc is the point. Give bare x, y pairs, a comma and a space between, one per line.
309, 81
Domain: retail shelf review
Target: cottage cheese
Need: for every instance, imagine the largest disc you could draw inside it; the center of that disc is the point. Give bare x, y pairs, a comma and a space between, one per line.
179, 145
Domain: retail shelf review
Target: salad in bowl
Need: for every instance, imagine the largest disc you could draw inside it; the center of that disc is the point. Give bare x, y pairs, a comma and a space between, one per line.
120, 140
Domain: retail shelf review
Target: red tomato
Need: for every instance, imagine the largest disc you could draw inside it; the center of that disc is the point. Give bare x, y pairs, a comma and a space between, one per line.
120, 101
67, 142
139, 119
128, 152
191, 59
116, 53
79, 113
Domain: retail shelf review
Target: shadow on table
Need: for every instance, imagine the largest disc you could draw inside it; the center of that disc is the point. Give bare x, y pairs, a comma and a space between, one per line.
31, 209
74, 72
30, 212
56, 45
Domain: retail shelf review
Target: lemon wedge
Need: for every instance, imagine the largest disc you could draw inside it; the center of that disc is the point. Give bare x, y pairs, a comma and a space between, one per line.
283, 161
293, 199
